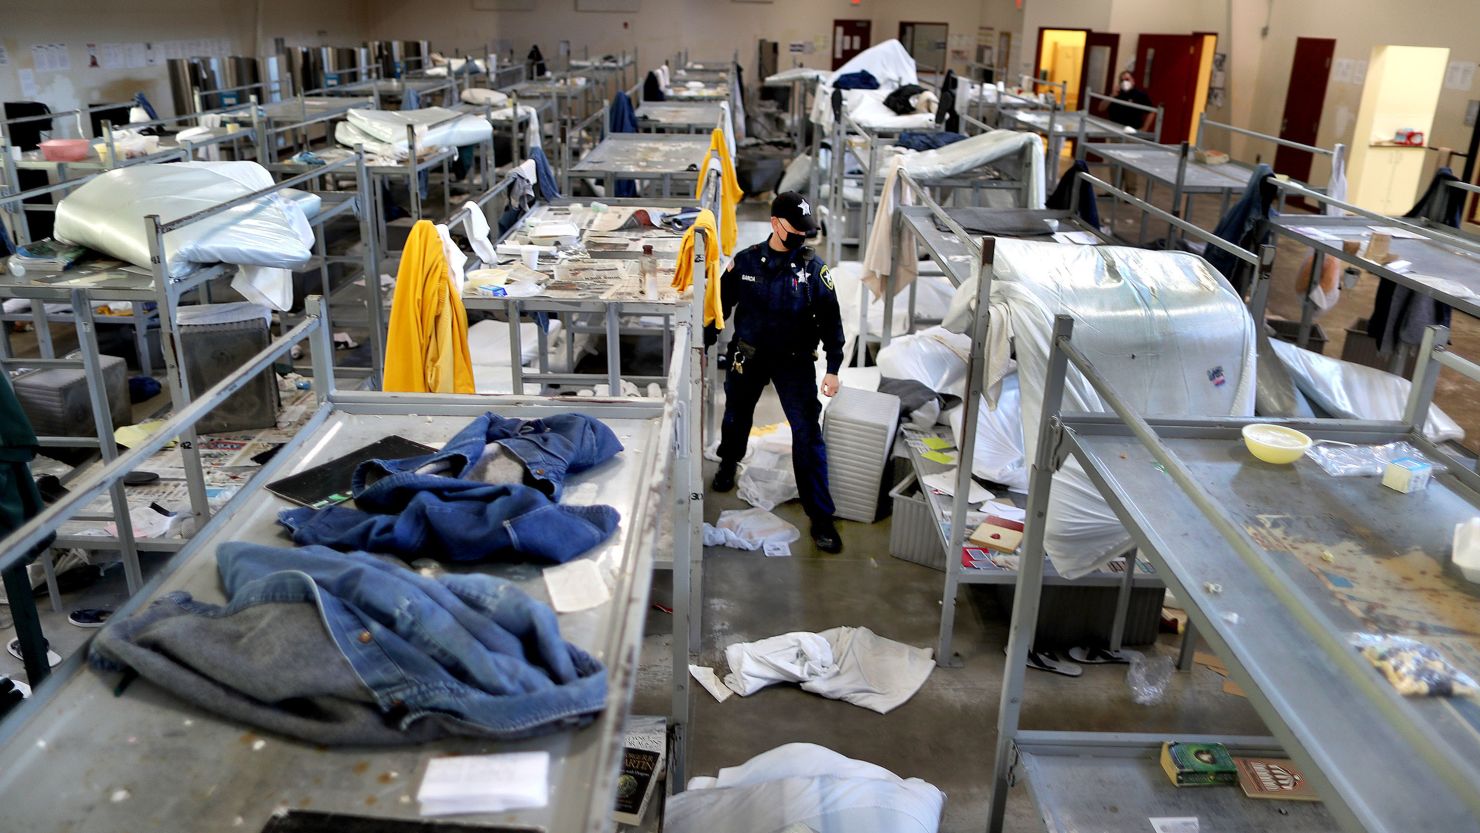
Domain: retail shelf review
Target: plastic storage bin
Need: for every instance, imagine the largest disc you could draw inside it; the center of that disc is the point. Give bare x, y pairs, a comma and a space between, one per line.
912, 535
858, 428
218, 339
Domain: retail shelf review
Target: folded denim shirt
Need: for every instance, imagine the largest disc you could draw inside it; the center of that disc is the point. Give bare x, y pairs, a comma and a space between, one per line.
354, 649
489, 492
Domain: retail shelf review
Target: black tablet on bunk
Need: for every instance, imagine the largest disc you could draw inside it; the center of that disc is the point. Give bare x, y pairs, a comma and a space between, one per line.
329, 483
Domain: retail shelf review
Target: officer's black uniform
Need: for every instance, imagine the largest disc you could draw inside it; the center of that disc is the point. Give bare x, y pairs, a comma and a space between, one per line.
781, 304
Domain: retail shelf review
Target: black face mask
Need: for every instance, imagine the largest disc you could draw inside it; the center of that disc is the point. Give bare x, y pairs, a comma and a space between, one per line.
792, 241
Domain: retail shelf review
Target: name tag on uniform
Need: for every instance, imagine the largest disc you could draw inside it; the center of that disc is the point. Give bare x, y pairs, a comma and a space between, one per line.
748, 278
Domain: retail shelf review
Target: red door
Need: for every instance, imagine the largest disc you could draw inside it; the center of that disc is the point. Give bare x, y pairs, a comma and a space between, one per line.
1167, 68
1099, 72
1304, 99
850, 37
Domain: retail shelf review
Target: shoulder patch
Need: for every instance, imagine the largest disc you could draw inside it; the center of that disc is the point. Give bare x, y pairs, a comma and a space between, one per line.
826, 276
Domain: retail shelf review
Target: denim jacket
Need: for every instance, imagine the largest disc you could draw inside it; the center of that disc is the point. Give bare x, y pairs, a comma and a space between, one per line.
432, 506
349, 648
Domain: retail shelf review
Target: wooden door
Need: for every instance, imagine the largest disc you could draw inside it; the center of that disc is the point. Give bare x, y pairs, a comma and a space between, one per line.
850, 37
1167, 69
1100, 71
1304, 98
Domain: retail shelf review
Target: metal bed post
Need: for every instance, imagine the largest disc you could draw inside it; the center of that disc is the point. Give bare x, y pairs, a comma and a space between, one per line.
413, 185
92, 368
166, 299
1030, 571
896, 253
976, 365
370, 244
1176, 192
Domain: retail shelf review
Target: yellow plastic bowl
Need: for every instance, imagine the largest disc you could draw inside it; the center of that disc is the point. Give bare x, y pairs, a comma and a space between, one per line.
1275, 443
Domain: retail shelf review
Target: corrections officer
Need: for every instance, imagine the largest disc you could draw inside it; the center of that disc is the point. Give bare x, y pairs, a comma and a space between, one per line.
780, 299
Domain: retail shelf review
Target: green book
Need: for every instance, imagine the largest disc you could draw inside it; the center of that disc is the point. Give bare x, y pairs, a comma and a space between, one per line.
1198, 764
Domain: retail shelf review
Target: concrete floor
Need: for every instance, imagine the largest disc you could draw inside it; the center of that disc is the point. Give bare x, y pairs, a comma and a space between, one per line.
946, 734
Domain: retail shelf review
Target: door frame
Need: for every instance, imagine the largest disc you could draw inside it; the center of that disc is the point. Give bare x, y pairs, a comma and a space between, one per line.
868, 36
1084, 65
946, 52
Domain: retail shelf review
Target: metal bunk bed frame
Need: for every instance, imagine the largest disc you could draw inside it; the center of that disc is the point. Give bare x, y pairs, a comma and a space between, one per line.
585, 763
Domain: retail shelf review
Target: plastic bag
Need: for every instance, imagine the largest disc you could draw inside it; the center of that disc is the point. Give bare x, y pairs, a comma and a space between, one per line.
1148, 677
1342, 460
752, 529
936, 358
998, 456
1414, 669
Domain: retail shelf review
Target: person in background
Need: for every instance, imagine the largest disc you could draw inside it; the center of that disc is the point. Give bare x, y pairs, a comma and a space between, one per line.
1131, 117
783, 304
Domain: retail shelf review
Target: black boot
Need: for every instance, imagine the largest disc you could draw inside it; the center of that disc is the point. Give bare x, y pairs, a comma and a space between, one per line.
724, 479
825, 536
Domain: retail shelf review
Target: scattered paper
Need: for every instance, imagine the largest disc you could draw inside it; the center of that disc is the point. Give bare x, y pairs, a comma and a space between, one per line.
1210, 662
937, 443
1396, 232
485, 783
775, 549
1005, 511
1314, 233
711, 682
945, 483
147, 522
575, 586
938, 457
133, 436
1183, 824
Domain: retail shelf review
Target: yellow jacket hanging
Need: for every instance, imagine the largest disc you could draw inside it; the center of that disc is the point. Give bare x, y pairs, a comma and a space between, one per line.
730, 193
683, 273
426, 350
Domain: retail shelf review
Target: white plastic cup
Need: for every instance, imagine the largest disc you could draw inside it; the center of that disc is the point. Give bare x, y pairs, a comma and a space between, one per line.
531, 257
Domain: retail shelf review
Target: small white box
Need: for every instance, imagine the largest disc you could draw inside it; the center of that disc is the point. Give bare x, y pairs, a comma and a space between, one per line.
1406, 474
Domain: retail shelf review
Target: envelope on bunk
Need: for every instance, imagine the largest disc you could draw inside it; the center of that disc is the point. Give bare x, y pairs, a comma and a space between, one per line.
266, 237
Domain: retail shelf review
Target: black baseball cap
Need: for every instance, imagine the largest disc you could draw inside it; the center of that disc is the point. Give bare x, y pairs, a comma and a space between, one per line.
796, 210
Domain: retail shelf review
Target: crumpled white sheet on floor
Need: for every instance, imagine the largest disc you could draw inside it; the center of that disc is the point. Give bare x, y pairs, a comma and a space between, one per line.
803, 784
752, 529
767, 479
854, 665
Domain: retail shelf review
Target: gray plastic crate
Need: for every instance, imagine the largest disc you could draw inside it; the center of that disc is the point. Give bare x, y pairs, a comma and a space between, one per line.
858, 428
56, 400
218, 339
912, 535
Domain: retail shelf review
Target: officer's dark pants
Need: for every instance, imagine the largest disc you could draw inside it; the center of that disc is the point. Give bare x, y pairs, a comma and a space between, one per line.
795, 379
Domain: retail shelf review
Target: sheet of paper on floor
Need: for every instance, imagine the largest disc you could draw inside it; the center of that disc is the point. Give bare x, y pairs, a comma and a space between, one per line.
711, 682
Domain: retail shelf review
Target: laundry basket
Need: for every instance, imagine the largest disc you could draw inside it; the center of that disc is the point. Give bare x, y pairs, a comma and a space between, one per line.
858, 428
218, 339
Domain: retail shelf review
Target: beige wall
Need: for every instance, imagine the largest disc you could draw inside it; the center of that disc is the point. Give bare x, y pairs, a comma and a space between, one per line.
1358, 26
78, 22
709, 29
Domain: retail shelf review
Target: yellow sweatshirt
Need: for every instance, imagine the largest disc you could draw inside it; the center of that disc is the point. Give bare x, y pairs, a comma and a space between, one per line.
683, 274
730, 193
426, 350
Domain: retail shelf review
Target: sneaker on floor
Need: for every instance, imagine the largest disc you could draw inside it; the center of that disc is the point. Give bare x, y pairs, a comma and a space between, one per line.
724, 479
825, 536
53, 659
89, 617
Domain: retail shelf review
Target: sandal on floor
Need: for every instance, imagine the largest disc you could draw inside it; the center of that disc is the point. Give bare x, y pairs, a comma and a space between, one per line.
1050, 662
1097, 656
53, 659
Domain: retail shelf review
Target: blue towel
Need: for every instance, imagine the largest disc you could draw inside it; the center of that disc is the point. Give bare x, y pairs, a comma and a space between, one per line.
860, 80
6, 247
544, 175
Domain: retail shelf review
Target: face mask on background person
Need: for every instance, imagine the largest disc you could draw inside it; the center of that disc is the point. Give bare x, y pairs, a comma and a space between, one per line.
1126, 85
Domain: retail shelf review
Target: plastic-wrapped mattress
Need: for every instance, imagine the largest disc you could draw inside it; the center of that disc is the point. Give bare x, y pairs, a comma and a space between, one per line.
266, 237
383, 132
1164, 329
